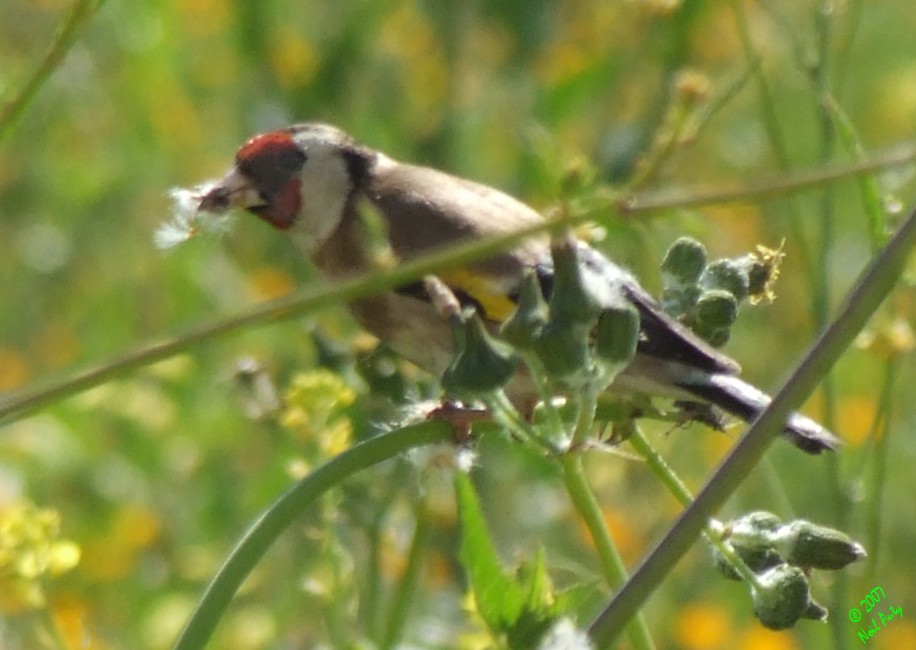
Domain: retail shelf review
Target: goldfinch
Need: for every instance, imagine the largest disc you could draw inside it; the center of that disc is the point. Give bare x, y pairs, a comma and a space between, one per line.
309, 180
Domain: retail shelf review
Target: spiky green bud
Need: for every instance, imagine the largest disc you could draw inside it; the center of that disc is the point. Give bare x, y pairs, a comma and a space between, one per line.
782, 597
482, 364
684, 262
571, 303
716, 309
563, 351
530, 316
616, 335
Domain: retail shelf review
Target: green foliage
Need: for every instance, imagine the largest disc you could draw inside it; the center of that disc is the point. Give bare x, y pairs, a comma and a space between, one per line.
517, 607
482, 364
572, 106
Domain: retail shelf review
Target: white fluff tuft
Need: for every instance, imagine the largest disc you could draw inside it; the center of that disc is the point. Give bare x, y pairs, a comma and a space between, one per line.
187, 219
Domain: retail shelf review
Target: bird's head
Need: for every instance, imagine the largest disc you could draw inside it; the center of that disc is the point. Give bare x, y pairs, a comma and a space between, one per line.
298, 179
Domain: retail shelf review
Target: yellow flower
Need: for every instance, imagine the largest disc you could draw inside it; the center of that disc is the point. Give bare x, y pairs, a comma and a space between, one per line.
316, 410
31, 551
703, 626
889, 340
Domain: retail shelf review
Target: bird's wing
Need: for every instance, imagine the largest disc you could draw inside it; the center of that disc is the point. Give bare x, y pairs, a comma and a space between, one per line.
425, 210
664, 337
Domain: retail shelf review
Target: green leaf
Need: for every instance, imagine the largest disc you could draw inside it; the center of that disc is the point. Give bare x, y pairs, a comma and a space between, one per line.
541, 606
499, 599
521, 607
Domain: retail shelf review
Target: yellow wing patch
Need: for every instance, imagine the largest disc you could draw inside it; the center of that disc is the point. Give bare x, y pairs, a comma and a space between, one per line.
497, 305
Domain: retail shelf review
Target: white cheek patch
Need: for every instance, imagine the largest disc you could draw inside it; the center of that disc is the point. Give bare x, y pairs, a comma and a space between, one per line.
325, 190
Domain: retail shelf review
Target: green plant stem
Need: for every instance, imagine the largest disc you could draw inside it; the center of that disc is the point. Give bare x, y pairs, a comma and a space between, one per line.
615, 572
880, 434
773, 129
675, 485
372, 597
660, 468
508, 417
854, 10
872, 287
676, 120
554, 420
309, 299
585, 422
776, 487
281, 514
407, 588
869, 188
821, 298
371, 611
80, 12
504, 412
779, 185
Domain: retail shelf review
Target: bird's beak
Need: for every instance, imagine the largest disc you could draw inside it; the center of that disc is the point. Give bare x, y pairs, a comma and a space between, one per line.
233, 191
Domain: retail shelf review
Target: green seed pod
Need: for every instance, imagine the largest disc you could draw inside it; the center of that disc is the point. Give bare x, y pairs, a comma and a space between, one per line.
729, 275
811, 546
716, 309
570, 301
482, 364
684, 262
782, 598
525, 325
616, 335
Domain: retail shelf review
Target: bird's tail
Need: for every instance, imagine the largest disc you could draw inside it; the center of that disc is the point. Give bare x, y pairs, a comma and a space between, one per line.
742, 400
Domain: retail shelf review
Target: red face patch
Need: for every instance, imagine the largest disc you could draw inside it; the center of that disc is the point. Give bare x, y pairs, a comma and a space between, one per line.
272, 162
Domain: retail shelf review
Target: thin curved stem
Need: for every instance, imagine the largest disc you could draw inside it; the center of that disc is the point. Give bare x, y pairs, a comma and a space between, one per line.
779, 185
276, 519
670, 479
80, 13
407, 588
615, 572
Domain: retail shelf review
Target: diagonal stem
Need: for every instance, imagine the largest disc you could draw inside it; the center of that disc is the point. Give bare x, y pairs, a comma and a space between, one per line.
873, 286
80, 13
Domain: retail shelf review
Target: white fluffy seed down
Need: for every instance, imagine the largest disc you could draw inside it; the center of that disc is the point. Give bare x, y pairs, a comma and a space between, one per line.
188, 220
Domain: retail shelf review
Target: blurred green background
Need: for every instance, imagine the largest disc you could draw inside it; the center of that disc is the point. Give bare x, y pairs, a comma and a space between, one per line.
156, 474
